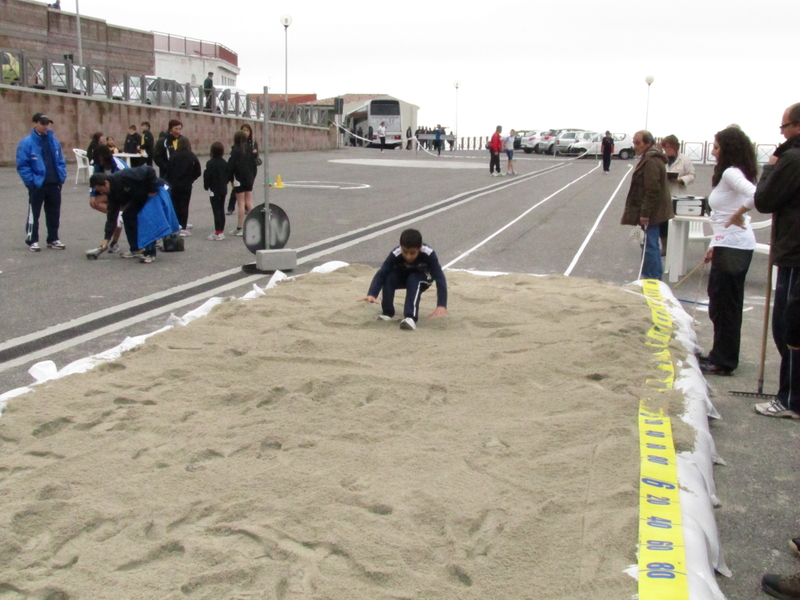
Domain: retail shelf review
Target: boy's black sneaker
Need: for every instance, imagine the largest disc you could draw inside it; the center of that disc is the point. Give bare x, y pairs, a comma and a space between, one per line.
784, 587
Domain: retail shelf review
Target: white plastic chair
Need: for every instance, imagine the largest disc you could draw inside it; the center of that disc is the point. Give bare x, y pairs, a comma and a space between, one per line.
83, 164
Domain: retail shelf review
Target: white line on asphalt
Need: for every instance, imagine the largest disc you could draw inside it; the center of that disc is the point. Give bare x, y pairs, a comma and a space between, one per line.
43, 353
596, 223
504, 227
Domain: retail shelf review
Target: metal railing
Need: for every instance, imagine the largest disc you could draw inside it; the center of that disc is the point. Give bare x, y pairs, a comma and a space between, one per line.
43, 73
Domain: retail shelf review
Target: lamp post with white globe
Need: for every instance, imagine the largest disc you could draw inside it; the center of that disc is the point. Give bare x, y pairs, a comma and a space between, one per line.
286, 20
648, 80
457, 84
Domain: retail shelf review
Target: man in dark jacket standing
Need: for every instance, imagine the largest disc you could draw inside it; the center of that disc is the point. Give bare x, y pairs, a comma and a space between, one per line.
778, 193
165, 146
608, 149
41, 166
148, 143
648, 203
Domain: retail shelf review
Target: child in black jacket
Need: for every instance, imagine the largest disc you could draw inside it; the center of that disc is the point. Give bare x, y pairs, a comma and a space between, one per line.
215, 180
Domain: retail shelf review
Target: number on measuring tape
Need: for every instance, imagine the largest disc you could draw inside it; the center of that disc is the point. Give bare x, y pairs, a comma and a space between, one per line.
659, 545
660, 570
659, 460
659, 523
657, 500
657, 434
653, 422
658, 484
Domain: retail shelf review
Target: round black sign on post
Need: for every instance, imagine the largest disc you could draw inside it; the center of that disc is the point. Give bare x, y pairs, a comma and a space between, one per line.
255, 224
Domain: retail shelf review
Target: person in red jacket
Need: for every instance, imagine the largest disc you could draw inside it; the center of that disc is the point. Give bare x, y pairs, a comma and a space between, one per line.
495, 146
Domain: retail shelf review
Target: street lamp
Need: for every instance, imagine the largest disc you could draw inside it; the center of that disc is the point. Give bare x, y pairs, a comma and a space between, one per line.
648, 80
286, 20
78, 23
457, 84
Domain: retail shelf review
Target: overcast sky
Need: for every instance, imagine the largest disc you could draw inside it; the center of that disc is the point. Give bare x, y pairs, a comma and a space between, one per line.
522, 64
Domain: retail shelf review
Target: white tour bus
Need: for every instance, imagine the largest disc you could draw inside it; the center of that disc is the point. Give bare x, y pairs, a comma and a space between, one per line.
369, 117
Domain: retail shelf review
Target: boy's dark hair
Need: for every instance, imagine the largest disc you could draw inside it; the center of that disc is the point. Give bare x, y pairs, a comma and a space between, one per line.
132, 127
98, 179
217, 150
172, 124
183, 144
147, 123
411, 238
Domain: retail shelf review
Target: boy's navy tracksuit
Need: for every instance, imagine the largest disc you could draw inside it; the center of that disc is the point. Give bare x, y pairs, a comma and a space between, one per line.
415, 277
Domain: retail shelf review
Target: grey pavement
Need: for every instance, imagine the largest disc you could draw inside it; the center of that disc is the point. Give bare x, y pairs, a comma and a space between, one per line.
369, 203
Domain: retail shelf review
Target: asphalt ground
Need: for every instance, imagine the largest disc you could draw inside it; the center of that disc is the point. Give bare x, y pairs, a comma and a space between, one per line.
351, 205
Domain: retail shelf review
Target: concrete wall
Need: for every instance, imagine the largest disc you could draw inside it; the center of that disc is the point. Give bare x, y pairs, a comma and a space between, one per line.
32, 27
76, 118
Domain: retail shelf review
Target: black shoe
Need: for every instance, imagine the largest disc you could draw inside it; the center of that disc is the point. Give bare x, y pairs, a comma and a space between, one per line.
794, 544
785, 587
709, 368
702, 358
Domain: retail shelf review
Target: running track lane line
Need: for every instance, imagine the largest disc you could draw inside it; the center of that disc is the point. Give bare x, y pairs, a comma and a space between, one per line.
45, 352
596, 223
506, 226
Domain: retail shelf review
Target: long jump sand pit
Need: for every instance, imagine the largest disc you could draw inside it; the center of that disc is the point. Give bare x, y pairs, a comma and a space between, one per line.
293, 447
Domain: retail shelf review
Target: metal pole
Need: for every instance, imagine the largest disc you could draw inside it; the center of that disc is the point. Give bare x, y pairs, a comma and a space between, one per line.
286, 62
80, 43
265, 148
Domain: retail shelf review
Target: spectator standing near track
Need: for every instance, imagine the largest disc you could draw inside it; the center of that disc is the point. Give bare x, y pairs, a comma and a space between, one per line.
382, 135
495, 146
252, 152
208, 88
165, 146
41, 166
648, 203
508, 142
215, 180
607, 147
778, 193
243, 174
680, 174
184, 169
148, 143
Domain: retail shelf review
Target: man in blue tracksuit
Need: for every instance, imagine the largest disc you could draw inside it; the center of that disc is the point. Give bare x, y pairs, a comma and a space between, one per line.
412, 266
41, 165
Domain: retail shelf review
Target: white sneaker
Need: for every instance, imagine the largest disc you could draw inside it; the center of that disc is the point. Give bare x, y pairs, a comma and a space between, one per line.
216, 237
775, 409
237, 232
184, 233
384, 318
34, 247
408, 323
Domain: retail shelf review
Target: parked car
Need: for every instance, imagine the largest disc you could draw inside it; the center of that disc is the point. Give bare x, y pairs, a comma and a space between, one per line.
134, 89
530, 140
10, 68
623, 145
548, 144
518, 138
567, 140
58, 79
170, 87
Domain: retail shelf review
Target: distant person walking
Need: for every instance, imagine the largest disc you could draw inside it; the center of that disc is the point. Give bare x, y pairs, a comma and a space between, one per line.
382, 135
215, 180
41, 166
648, 203
408, 138
607, 146
495, 146
438, 142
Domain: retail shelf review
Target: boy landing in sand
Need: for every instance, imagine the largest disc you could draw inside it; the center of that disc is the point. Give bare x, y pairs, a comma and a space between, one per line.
412, 265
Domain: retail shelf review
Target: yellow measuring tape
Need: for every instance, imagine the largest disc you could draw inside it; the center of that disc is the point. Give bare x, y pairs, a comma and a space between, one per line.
662, 560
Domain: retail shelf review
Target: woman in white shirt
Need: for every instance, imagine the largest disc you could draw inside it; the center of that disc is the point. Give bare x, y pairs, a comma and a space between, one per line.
731, 248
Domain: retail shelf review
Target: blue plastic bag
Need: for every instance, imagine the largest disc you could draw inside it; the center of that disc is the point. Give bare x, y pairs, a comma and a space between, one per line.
157, 219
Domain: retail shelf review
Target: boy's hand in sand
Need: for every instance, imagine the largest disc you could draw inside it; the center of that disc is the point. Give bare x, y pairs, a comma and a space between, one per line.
370, 299
439, 312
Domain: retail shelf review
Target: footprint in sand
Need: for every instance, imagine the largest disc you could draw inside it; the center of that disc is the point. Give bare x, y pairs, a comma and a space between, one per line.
485, 531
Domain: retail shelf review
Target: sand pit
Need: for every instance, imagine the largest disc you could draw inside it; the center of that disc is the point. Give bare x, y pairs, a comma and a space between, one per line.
293, 447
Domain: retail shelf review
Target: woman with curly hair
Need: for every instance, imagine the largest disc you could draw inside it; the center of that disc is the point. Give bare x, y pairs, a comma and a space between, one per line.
731, 247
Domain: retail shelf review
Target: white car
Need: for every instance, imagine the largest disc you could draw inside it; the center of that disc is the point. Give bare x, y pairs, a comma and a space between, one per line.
58, 79
568, 140
530, 140
623, 145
